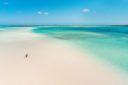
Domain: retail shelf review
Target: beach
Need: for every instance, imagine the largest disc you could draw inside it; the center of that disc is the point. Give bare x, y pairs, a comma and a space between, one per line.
50, 62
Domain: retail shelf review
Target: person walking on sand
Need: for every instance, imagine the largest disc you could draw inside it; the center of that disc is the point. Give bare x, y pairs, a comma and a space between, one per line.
26, 55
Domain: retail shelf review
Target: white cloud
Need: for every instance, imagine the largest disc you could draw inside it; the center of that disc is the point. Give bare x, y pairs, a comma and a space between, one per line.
39, 12
6, 3
86, 10
45, 13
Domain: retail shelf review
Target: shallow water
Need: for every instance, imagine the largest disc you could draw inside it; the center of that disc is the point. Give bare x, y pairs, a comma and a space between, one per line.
108, 44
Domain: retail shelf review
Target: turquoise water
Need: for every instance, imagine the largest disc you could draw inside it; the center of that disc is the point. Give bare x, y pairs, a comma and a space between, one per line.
2, 27
6, 27
108, 43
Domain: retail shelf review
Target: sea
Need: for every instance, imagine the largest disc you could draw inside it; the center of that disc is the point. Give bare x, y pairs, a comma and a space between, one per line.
105, 43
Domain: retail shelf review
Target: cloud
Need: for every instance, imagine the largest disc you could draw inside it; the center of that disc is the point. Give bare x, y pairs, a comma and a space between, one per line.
45, 13
85, 10
39, 12
5, 3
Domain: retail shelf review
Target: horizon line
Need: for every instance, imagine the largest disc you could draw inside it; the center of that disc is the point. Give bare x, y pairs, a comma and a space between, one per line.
63, 25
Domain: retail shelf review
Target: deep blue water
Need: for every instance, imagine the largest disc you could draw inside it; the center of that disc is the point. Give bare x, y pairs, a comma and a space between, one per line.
107, 43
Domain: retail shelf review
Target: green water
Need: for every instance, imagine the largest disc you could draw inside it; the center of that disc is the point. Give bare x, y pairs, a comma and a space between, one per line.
109, 44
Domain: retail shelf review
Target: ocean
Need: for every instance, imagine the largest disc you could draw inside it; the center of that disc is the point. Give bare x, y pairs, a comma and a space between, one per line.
107, 44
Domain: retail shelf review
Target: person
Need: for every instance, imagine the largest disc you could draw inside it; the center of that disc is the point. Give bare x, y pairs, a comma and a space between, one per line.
26, 55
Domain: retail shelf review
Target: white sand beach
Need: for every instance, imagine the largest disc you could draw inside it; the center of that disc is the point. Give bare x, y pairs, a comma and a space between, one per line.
49, 62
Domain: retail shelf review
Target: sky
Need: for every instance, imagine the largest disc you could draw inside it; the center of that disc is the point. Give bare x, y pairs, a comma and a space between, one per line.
63, 12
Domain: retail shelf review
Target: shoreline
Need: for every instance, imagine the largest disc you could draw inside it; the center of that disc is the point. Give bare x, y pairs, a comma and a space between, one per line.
49, 62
